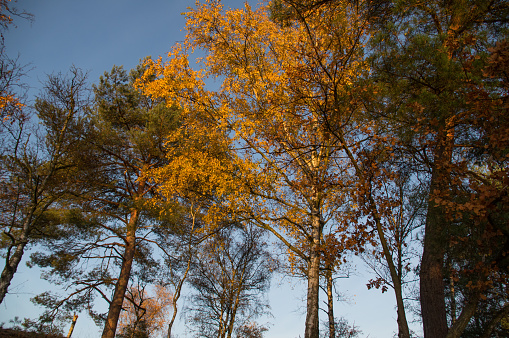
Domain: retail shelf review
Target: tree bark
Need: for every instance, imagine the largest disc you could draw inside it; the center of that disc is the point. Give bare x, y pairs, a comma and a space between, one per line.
12, 261
462, 321
330, 304
312, 322
74, 319
403, 330
432, 294
123, 280
11, 266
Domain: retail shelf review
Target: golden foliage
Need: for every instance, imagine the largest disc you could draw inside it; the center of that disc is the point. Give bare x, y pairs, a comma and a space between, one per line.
258, 144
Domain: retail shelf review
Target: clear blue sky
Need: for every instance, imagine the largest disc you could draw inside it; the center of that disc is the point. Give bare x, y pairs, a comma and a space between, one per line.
94, 35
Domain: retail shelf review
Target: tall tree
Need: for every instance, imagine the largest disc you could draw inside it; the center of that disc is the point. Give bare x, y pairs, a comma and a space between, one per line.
426, 54
131, 130
37, 165
125, 135
341, 113
284, 172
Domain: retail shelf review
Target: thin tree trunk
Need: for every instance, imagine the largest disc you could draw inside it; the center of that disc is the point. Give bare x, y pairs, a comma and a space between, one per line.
234, 312
74, 319
452, 290
238, 290
123, 280
178, 288
462, 321
176, 297
403, 330
330, 304
221, 323
312, 322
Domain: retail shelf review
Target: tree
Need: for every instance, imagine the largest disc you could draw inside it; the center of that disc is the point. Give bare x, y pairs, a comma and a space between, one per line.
180, 245
228, 282
311, 131
37, 169
341, 112
431, 58
144, 315
342, 329
251, 330
125, 134
130, 136
282, 171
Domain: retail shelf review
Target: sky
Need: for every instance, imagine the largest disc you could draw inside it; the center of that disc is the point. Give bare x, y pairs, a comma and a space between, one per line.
94, 35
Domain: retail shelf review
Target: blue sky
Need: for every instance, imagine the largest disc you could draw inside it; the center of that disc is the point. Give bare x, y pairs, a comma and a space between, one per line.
94, 35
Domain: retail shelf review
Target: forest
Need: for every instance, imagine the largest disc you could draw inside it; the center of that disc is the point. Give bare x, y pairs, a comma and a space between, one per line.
284, 138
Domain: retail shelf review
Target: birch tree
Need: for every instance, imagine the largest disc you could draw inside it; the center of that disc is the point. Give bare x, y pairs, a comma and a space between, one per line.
282, 170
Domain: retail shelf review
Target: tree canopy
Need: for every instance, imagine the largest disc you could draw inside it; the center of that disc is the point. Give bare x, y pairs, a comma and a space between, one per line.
318, 129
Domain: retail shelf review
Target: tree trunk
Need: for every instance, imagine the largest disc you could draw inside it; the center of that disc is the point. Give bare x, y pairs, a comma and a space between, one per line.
178, 287
462, 321
123, 280
11, 266
432, 294
312, 322
403, 330
330, 304
452, 292
234, 311
12, 261
174, 315
74, 319
238, 287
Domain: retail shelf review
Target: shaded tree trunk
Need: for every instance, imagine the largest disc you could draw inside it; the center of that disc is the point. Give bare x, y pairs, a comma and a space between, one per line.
432, 294
12, 261
312, 321
403, 330
432, 288
123, 280
330, 304
462, 321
